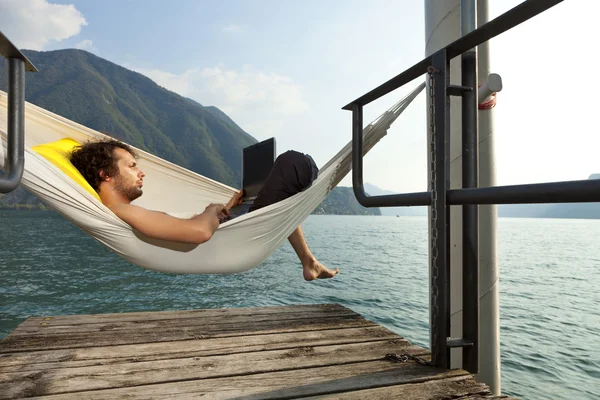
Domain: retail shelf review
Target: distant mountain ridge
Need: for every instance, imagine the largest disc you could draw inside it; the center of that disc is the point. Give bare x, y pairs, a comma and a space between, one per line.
564, 210
341, 201
129, 106
373, 190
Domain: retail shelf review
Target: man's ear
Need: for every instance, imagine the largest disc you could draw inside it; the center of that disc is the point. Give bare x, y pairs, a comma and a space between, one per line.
104, 176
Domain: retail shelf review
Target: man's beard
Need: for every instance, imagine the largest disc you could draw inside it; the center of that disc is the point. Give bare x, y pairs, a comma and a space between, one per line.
131, 193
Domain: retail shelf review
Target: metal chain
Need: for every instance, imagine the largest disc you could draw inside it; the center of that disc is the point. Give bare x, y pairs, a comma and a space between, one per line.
403, 358
434, 233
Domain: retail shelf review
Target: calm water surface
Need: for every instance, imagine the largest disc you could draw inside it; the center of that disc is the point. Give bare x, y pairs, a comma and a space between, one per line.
549, 296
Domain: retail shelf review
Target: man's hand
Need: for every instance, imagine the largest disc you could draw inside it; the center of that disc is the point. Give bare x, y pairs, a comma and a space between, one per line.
236, 200
222, 211
218, 209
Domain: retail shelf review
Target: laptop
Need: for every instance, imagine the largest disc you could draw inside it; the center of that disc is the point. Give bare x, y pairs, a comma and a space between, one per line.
257, 162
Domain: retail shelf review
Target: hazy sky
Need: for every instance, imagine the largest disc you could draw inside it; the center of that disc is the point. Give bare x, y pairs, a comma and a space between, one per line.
286, 68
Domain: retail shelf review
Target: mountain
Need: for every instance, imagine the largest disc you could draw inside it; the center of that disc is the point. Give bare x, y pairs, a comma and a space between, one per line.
523, 210
564, 210
341, 201
129, 106
373, 190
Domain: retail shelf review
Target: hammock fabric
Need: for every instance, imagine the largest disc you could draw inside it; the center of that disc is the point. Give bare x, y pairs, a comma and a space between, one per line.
237, 246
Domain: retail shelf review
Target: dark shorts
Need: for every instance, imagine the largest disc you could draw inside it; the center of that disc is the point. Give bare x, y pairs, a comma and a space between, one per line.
292, 173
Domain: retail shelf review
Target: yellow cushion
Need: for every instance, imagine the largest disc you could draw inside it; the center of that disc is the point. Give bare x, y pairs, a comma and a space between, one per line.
58, 154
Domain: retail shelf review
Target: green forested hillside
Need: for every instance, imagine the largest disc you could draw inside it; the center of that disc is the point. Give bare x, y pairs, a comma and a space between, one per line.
341, 201
129, 106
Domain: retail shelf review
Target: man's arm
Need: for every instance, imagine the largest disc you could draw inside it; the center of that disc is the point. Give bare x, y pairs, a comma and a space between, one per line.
158, 225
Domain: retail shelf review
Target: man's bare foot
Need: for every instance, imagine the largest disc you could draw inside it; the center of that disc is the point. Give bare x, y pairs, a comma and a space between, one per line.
316, 270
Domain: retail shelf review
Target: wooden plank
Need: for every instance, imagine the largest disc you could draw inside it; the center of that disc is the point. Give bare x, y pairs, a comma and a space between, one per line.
65, 380
488, 397
166, 315
160, 334
71, 358
450, 388
277, 385
125, 326
266, 352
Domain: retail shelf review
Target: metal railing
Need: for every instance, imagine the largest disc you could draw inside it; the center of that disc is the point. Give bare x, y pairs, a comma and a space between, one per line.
17, 64
440, 198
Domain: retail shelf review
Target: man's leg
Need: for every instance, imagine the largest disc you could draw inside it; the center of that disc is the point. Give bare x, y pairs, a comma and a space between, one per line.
292, 173
311, 268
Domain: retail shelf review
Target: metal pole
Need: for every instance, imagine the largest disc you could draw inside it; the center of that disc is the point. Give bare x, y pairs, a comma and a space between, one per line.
357, 150
442, 27
489, 317
16, 130
440, 216
470, 231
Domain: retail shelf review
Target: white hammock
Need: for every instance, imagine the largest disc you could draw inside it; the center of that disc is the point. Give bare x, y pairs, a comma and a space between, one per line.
238, 245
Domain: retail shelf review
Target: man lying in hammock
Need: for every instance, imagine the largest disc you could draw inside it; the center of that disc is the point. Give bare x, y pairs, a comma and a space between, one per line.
110, 167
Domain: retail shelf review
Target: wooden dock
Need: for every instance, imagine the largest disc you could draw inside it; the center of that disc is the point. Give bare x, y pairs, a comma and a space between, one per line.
313, 351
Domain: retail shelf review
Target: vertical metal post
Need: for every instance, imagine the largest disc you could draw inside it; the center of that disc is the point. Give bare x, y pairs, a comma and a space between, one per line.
16, 129
440, 284
470, 165
489, 314
357, 140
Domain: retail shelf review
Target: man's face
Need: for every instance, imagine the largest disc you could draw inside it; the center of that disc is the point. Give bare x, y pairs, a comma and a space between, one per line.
129, 178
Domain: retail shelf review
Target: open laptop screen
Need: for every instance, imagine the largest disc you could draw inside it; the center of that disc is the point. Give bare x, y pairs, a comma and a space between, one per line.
257, 161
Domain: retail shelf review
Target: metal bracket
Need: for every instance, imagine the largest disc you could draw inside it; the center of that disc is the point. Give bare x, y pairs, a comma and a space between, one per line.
456, 90
15, 163
460, 342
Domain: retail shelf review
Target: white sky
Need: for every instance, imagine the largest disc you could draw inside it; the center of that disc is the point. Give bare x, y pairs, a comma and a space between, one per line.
285, 69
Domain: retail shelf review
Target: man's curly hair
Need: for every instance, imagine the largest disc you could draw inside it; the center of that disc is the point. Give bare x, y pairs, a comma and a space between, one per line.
93, 157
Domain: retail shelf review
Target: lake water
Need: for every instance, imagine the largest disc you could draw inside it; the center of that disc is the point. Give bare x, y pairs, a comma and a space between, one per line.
549, 286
